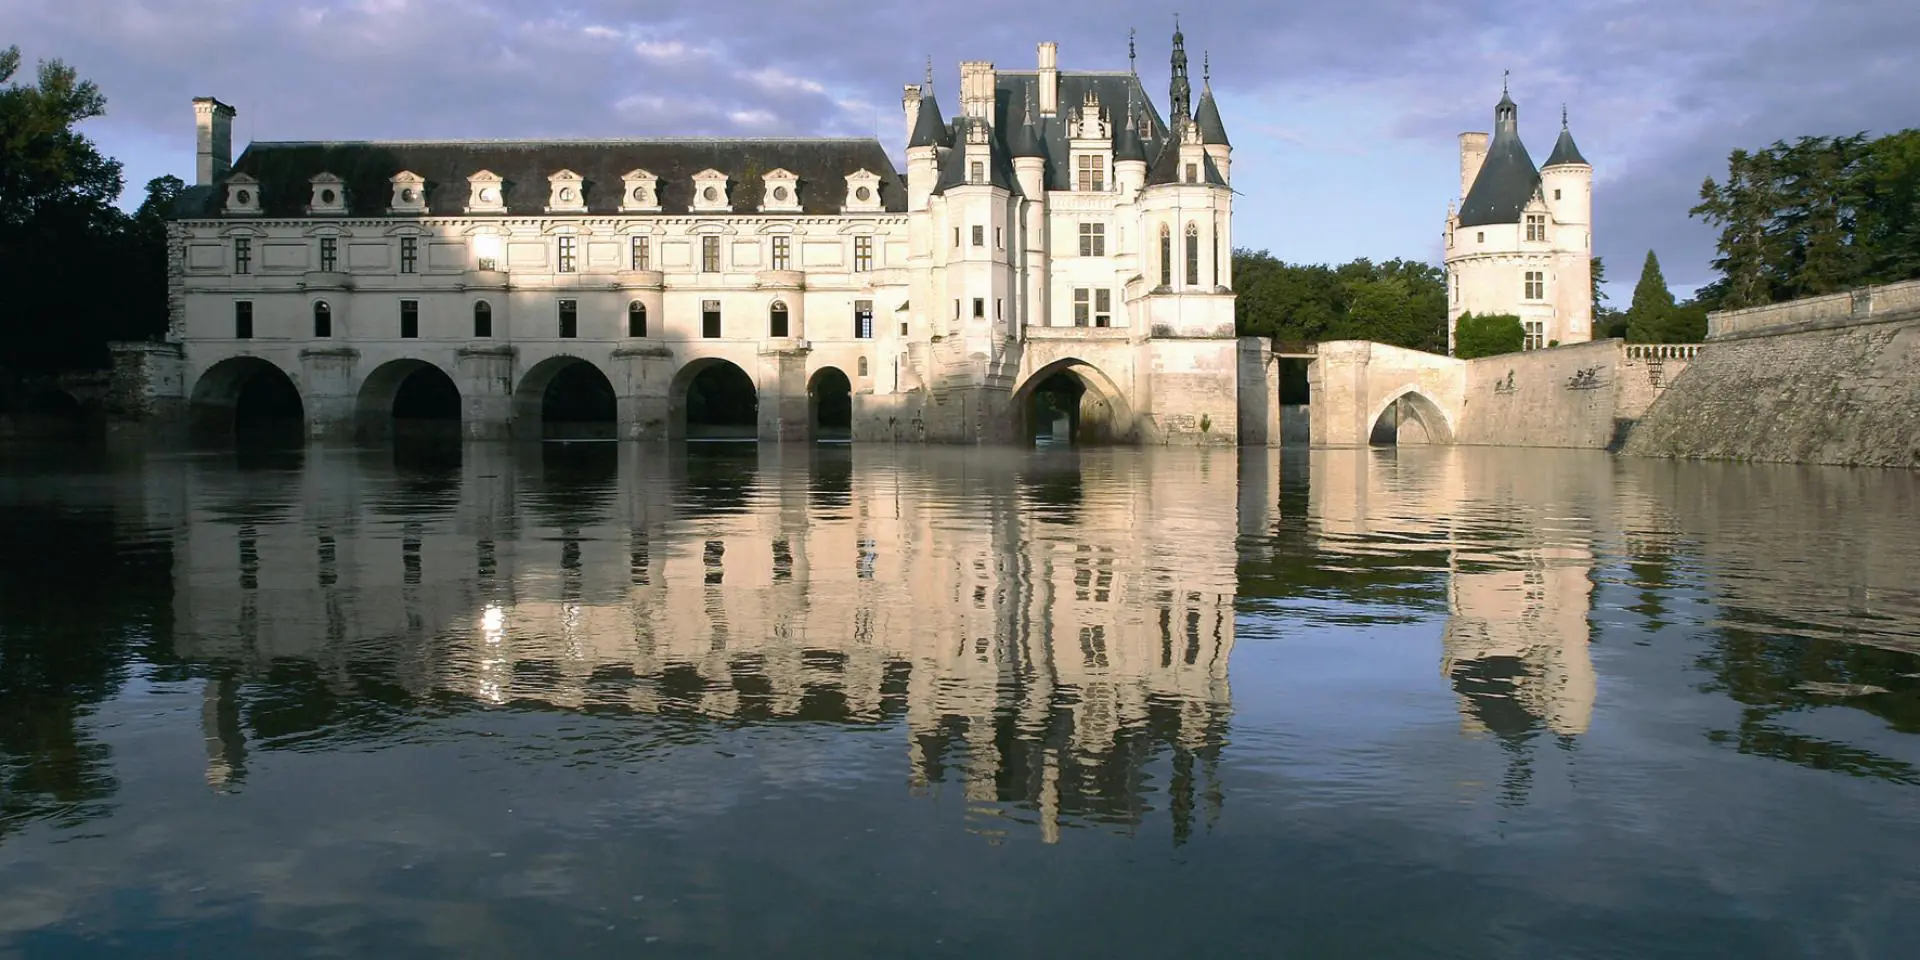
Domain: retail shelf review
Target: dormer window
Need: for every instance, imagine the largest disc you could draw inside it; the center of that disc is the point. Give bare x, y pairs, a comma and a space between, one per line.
977, 172
1536, 226
780, 192
243, 194
639, 192
486, 193
863, 192
1193, 173
1090, 173
409, 193
329, 195
710, 192
566, 193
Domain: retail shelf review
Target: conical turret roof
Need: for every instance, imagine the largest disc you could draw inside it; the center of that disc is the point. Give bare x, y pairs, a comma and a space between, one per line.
1508, 179
1207, 117
929, 129
1563, 149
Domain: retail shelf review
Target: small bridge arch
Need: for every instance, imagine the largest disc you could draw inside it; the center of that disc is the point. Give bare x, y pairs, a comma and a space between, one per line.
1071, 401
1409, 416
246, 396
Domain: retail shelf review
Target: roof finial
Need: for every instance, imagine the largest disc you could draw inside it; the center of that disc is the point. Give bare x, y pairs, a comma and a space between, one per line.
1563, 116
1503, 81
1130, 53
1206, 68
929, 70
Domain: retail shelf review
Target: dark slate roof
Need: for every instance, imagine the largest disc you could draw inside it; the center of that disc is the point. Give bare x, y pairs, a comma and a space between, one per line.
929, 128
822, 165
1023, 140
1208, 119
1166, 168
1115, 90
1507, 179
1127, 145
1563, 149
953, 162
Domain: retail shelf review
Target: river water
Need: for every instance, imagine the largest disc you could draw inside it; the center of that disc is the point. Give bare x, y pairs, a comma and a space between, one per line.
614, 700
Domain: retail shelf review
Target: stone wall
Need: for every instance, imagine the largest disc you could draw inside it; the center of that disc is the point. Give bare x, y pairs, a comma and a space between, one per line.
1586, 395
1889, 302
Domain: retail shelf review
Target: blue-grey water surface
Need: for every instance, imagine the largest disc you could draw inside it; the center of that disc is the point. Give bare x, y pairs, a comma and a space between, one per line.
615, 700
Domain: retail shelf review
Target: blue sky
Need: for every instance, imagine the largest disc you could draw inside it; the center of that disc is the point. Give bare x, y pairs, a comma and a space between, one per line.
1343, 116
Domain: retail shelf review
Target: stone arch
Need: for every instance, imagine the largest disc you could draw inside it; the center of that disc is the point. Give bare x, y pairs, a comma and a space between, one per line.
830, 404
322, 319
779, 319
1409, 416
712, 398
247, 398
1093, 408
565, 397
407, 397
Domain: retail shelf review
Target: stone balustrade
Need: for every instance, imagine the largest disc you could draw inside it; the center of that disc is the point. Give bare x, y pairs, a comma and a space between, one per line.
1662, 351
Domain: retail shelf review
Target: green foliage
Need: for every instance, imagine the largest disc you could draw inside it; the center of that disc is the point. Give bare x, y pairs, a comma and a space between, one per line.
1607, 322
1487, 335
1652, 307
1814, 216
1401, 302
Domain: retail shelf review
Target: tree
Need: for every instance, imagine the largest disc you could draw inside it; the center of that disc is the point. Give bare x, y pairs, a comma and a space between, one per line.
1402, 302
1652, 309
1487, 335
1607, 322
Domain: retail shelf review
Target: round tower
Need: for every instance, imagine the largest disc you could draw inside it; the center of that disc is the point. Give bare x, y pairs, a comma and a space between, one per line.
1566, 184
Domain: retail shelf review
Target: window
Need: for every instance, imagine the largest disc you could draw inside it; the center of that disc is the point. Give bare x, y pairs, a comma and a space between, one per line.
243, 319
1456, 288
956, 236
1556, 194
636, 319
777, 320
1089, 173
710, 314
1193, 255
409, 254
1536, 285
1166, 256
1479, 236
979, 308
1193, 173
322, 319
977, 172
782, 253
1093, 239
569, 319
1103, 308
979, 235
641, 256
329, 254
409, 319
862, 254
956, 308
1536, 226
482, 319
1536, 335
709, 254
569, 251
1213, 252
1082, 306
997, 243
999, 309
863, 319
242, 254
863, 366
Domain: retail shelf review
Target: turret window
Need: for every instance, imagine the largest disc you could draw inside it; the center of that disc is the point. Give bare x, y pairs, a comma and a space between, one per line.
777, 318
243, 319
409, 319
569, 319
1193, 173
482, 319
1093, 239
1536, 227
322, 320
1090, 173
979, 308
979, 235
1536, 285
636, 319
710, 317
977, 172
1193, 255
1166, 256
863, 319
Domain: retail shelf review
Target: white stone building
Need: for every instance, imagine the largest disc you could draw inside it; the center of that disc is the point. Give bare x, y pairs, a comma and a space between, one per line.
1521, 240
1057, 236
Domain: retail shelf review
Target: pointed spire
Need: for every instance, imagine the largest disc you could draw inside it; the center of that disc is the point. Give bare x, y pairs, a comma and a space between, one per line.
1564, 150
1024, 139
1178, 91
1127, 142
1507, 178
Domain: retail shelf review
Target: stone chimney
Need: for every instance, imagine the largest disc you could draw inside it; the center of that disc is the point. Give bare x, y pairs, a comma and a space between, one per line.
910, 102
1473, 152
976, 89
1049, 79
213, 129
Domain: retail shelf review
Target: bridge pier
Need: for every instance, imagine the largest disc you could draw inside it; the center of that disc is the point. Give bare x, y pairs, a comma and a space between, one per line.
643, 380
329, 392
485, 378
782, 385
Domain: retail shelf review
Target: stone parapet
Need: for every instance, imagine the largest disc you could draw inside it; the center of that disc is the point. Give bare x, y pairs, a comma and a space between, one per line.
1887, 303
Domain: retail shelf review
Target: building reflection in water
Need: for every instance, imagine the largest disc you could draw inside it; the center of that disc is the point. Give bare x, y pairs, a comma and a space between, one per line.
1045, 628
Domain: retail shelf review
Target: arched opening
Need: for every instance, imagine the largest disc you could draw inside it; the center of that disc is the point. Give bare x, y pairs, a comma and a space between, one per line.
247, 400
1071, 402
566, 398
830, 405
636, 319
1410, 419
482, 319
409, 401
777, 325
715, 400
322, 320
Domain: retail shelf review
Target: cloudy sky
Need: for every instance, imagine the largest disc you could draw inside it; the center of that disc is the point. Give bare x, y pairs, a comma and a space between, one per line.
1343, 116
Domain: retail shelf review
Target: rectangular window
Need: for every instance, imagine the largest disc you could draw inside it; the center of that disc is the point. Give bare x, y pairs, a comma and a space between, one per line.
1103, 308
1193, 173
1082, 306
242, 254
409, 319
409, 254
322, 319
243, 319
999, 309
956, 236
782, 253
1193, 257
1089, 173
709, 254
862, 254
956, 308
1536, 335
979, 308
710, 314
642, 254
1536, 226
569, 252
329, 254
1456, 288
977, 173
569, 319
997, 244
979, 235
482, 319
1093, 239
863, 319
1536, 285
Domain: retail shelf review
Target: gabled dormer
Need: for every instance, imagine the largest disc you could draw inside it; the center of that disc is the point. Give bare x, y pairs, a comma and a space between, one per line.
780, 192
486, 193
977, 153
243, 196
409, 193
639, 192
566, 193
863, 192
710, 192
1090, 146
328, 195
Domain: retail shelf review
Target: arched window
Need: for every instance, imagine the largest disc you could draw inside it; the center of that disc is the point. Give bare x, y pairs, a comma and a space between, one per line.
1193, 255
636, 319
1166, 256
1214, 248
777, 319
322, 319
863, 366
482, 319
